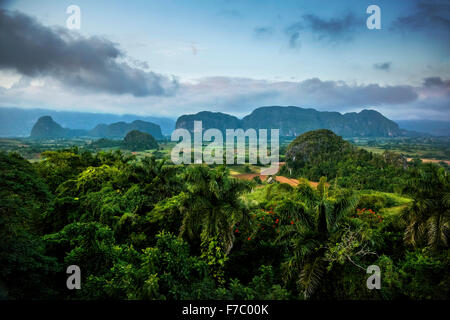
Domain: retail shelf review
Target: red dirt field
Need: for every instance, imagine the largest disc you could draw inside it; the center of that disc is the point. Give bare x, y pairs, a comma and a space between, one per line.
281, 179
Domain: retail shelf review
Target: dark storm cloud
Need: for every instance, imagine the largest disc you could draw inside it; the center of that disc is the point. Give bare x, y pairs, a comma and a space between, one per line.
385, 66
33, 49
428, 16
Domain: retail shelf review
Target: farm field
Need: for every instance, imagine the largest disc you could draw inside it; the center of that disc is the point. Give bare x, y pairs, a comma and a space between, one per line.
433, 148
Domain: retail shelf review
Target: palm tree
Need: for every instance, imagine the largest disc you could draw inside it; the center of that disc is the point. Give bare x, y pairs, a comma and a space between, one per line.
212, 205
161, 176
427, 218
319, 219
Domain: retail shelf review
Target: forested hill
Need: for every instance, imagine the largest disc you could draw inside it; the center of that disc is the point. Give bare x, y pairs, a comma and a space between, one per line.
46, 127
293, 121
120, 129
321, 153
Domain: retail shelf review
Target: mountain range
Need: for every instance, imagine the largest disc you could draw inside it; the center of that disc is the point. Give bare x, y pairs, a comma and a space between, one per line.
293, 121
47, 128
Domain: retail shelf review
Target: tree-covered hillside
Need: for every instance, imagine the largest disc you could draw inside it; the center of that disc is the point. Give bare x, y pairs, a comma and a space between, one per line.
322, 153
120, 129
136, 140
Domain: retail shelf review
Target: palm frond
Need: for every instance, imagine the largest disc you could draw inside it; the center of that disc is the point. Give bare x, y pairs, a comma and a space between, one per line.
340, 210
310, 277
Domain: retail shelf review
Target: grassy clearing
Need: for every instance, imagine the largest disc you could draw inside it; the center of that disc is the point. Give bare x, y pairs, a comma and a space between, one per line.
393, 211
393, 199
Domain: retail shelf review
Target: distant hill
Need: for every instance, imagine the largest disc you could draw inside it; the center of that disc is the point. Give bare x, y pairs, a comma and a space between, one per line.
137, 141
120, 129
318, 153
433, 127
46, 128
321, 153
318, 146
293, 121
17, 122
218, 120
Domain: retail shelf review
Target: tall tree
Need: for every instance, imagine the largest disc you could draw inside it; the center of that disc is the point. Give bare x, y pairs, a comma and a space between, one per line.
319, 219
427, 218
212, 204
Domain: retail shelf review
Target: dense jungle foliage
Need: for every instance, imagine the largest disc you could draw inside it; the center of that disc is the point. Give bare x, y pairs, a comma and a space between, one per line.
148, 229
322, 153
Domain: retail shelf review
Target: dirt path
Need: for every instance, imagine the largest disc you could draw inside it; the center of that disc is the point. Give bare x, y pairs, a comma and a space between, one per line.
289, 181
250, 176
430, 160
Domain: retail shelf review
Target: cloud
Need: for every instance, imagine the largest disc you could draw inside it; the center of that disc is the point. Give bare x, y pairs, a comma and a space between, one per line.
230, 13
293, 32
263, 32
436, 82
432, 16
339, 93
385, 66
435, 87
91, 64
334, 30
433, 102
4, 3
239, 96
138, 63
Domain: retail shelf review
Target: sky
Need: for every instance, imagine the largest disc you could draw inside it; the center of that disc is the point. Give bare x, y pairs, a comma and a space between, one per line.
173, 57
